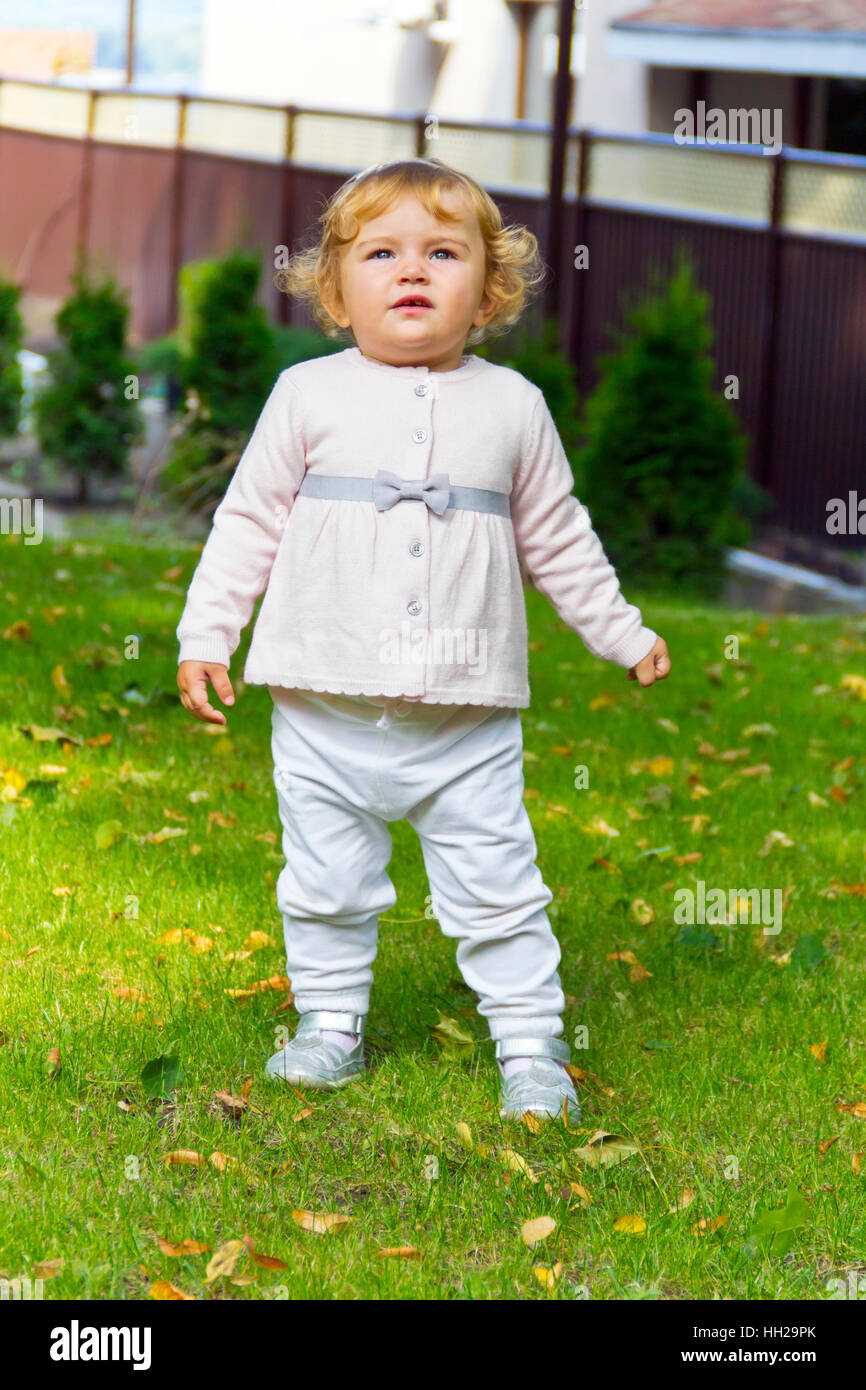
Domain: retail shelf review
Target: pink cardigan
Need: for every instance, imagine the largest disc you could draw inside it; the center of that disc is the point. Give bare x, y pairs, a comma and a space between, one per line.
402, 602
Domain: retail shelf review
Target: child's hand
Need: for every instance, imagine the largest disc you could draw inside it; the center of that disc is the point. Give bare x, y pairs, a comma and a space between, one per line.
654, 666
192, 679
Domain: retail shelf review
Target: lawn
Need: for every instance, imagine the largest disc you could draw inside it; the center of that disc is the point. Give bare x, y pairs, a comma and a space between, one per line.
143, 982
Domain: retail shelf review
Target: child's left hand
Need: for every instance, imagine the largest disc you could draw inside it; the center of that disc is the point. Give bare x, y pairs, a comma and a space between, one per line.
654, 666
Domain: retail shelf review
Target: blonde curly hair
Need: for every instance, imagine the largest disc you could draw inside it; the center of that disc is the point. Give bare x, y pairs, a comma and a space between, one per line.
515, 269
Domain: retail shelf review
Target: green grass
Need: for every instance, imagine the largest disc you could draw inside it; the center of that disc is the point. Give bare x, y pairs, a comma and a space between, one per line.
705, 1063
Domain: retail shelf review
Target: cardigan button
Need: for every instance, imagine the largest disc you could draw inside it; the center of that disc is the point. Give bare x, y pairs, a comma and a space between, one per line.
419, 436
416, 548
413, 607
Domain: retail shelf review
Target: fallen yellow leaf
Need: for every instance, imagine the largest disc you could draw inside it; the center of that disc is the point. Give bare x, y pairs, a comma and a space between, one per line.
660, 767
162, 1289
547, 1277
539, 1228
684, 1200
266, 1261
517, 1163
631, 1225
185, 1247
320, 1223
224, 1259
709, 1224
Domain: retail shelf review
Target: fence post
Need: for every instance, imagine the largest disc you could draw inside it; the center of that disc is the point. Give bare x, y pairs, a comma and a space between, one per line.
287, 205
420, 136
578, 295
770, 337
86, 186
176, 244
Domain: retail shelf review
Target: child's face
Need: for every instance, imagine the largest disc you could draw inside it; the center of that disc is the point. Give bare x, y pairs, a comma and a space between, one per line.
407, 251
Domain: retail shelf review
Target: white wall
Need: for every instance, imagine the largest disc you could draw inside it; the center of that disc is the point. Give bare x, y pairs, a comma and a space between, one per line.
321, 53
613, 93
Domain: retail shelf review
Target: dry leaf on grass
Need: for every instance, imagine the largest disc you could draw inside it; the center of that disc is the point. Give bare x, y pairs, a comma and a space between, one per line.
684, 1200
320, 1223
163, 1290
631, 1225
517, 1163
266, 1261
184, 1247
707, 1225
224, 1259
603, 1150
547, 1277
539, 1228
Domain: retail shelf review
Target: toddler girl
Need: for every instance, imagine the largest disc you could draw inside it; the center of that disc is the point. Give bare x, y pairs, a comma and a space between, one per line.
385, 502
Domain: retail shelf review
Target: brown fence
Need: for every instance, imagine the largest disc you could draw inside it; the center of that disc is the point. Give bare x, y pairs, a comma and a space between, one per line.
141, 183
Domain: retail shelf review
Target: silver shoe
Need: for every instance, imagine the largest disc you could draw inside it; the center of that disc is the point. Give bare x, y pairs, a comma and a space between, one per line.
542, 1087
312, 1061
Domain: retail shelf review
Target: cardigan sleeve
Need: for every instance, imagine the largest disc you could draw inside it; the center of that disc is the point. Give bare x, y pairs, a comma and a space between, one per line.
247, 526
563, 554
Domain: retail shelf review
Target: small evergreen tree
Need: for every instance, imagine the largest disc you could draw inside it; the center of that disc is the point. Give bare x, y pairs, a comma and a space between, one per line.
11, 379
87, 415
228, 362
226, 340
663, 459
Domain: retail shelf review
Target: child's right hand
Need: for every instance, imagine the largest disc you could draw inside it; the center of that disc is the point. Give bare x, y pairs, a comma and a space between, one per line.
192, 679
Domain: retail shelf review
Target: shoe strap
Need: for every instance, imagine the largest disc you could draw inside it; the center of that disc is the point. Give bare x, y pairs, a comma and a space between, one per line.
334, 1019
532, 1047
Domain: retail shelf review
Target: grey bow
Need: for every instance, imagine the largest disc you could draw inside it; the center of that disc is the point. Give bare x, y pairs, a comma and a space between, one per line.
388, 489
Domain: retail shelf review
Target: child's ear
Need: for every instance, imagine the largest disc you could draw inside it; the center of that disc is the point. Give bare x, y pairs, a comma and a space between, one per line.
336, 309
484, 312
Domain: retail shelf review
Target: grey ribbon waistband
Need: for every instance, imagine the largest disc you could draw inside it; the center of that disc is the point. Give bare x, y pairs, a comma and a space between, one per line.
385, 489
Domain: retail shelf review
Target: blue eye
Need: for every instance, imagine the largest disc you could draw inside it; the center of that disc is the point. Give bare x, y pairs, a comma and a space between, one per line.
375, 254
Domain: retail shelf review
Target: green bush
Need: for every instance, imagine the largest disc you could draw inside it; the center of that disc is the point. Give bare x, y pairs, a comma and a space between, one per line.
536, 355
663, 458
228, 354
86, 416
11, 378
225, 354
301, 344
162, 357
200, 467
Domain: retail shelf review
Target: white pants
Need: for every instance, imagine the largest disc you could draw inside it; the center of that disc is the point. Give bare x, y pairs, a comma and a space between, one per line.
346, 765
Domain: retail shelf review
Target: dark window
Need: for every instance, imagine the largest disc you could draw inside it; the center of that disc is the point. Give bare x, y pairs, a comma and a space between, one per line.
846, 116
